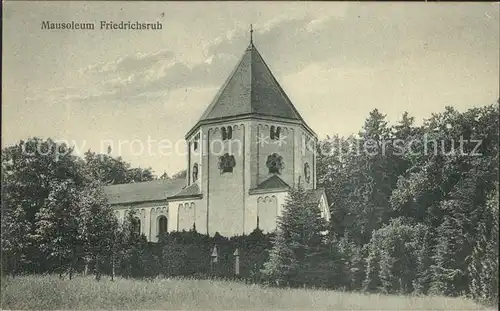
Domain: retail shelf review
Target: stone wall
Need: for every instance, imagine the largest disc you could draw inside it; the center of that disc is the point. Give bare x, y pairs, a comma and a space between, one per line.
226, 190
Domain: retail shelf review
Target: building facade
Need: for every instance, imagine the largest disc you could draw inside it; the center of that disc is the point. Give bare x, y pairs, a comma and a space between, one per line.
245, 152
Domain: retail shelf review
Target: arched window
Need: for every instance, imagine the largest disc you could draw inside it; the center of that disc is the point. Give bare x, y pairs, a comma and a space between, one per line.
162, 224
227, 132
137, 225
195, 172
193, 208
303, 149
224, 133
307, 172
274, 132
309, 143
195, 142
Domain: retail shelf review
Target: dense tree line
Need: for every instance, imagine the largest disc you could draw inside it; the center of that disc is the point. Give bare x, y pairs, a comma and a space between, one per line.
55, 219
414, 209
54, 212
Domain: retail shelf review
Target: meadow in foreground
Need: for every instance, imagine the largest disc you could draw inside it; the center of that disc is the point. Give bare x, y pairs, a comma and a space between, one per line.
50, 292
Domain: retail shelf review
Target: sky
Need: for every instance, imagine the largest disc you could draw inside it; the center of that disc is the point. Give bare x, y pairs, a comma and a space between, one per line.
337, 61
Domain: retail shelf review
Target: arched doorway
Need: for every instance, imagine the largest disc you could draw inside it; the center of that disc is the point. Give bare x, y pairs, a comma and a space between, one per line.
162, 224
137, 225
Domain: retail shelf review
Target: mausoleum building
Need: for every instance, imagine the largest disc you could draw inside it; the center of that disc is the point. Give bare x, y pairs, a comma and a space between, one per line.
245, 152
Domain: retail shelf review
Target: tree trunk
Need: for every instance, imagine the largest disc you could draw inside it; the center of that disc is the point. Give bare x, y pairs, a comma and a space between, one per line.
60, 266
97, 268
113, 266
86, 267
72, 264
14, 265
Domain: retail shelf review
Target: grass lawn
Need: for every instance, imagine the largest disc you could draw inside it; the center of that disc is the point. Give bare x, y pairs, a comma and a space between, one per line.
50, 292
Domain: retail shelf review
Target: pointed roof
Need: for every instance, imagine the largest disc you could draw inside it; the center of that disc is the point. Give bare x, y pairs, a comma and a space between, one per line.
273, 183
251, 89
190, 191
154, 190
315, 195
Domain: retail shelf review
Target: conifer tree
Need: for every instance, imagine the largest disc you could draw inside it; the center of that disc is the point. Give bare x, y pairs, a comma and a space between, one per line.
15, 240
97, 227
299, 248
483, 266
57, 224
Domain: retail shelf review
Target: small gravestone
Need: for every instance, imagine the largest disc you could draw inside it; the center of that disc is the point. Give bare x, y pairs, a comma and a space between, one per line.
213, 261
236, 255
214, 254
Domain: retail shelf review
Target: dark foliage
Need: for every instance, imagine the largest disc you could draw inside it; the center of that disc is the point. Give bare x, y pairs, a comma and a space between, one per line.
414, 209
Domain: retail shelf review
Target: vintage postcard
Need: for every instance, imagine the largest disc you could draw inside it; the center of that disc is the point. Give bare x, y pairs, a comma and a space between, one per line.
250, 155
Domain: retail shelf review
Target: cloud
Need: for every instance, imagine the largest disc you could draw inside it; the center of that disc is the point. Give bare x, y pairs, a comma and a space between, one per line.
131, 77
358, 39
134, 76
316, 23
129, 64
335, 63
173, 76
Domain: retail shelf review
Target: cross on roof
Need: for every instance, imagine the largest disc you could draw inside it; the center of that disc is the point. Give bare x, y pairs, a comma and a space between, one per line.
251, 34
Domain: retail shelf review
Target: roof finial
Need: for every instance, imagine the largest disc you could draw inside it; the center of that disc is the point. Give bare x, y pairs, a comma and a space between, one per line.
251, 34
